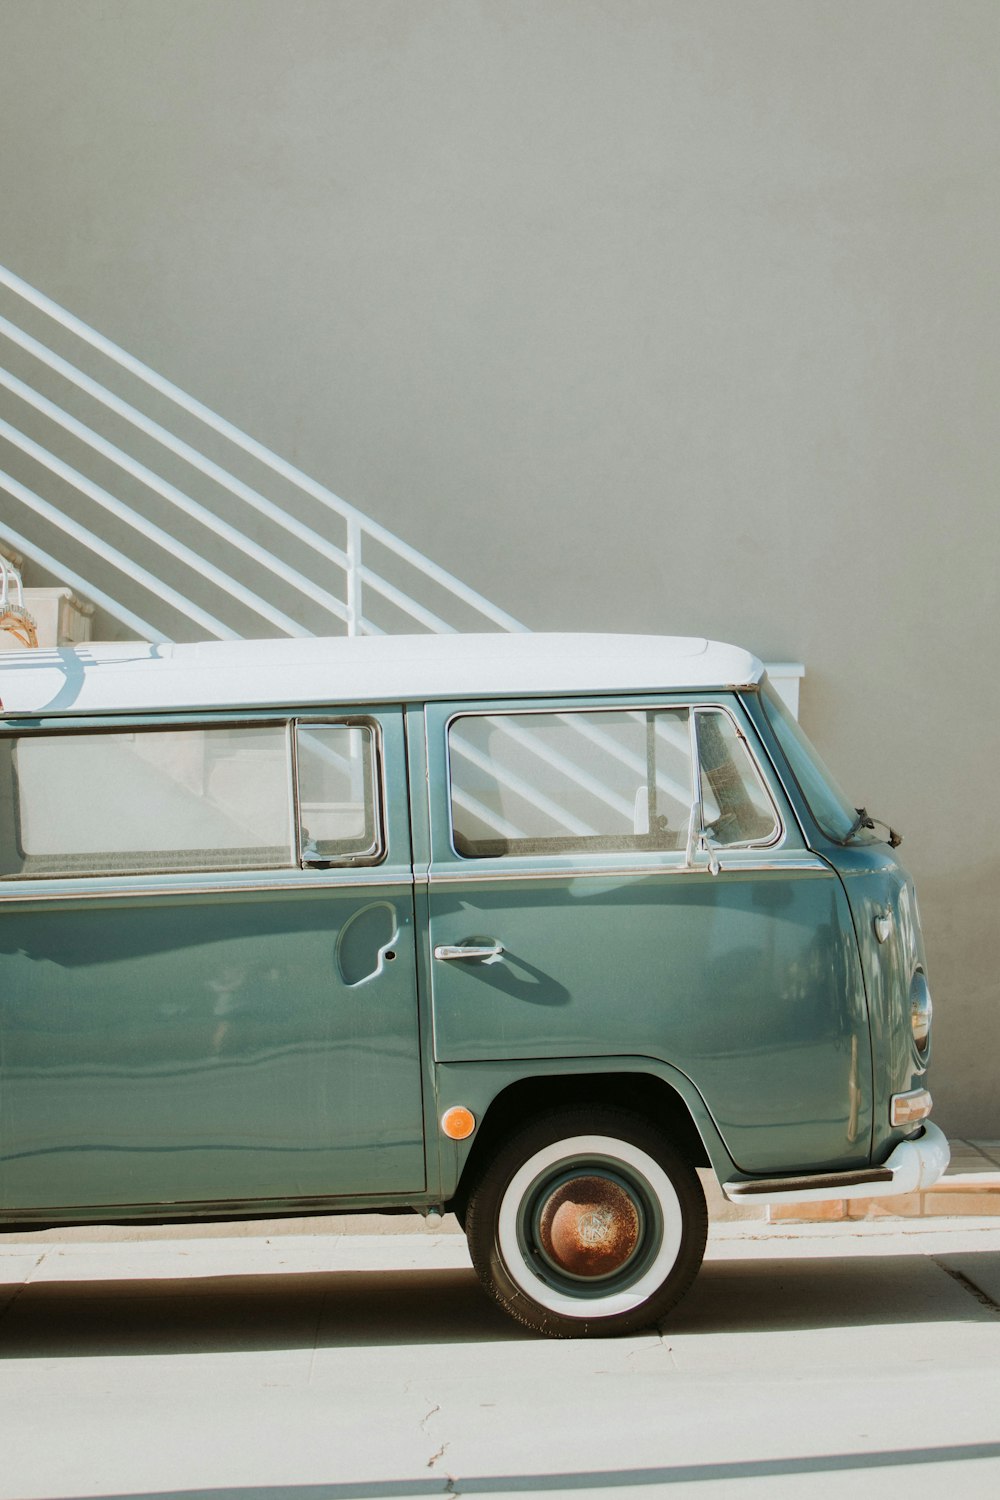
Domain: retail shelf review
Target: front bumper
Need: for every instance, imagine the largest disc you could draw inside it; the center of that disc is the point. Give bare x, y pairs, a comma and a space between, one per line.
914, 1165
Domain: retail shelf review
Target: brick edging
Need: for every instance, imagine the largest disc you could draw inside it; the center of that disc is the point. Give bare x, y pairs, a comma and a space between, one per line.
971, 1193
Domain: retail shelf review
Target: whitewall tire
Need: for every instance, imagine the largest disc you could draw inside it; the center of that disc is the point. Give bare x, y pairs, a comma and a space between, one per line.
587, 1222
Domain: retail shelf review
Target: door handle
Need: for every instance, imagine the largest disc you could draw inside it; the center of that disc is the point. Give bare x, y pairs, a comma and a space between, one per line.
468, 951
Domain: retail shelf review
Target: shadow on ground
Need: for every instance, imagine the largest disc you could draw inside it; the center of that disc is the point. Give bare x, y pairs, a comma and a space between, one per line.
345, 1309
62, 1319
783, 1296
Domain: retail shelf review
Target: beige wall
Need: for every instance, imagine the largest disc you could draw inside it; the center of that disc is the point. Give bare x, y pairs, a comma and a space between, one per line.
674, 316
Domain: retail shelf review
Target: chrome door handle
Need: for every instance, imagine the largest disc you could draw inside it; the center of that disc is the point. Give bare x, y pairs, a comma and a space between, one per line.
467, 951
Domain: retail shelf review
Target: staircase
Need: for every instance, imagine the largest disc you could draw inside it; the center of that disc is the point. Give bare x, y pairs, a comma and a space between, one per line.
178, 537
177, 525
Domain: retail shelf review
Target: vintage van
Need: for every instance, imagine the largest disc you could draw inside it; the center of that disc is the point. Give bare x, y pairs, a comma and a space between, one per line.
526, 927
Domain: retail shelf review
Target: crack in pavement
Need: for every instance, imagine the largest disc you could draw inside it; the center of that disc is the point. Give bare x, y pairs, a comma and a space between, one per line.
316, 1332
450, 1481
968, 1285
439, 1454
661, 1346
425, 1419
5, 1309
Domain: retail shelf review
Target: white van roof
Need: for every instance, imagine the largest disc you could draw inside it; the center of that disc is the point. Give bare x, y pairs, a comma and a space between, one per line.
133, 675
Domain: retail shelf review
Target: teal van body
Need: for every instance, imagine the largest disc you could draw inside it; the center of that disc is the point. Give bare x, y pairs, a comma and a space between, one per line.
526, 927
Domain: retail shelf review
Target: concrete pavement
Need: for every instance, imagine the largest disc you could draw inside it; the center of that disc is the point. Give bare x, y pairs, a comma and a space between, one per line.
820, 1360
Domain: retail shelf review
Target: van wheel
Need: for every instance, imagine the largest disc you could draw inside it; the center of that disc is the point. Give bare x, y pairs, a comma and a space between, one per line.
587, 1223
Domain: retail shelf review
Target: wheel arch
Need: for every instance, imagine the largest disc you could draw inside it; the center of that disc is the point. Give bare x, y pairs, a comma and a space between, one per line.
644, 1094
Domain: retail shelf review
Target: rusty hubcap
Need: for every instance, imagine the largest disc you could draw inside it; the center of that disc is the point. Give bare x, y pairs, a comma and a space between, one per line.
590, 1226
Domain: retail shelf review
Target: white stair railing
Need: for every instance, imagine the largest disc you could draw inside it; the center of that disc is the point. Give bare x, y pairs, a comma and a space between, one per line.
430, 602
364, 586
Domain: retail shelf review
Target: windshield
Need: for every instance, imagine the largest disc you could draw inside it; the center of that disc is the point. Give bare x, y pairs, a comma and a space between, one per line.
831, 808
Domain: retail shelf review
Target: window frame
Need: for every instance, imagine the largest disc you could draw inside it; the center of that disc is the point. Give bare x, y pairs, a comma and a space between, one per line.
778, 834
378, 850
295, 872
675, 858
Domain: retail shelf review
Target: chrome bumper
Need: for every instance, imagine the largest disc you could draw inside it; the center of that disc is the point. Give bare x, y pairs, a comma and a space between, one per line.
914, 1165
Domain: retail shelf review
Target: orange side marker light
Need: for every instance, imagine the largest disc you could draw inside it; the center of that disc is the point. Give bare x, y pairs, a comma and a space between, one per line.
458, 1123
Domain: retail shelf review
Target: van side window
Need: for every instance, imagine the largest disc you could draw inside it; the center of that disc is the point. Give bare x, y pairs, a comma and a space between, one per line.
736, 807
165, 801
151, 801
338, 807
594, 781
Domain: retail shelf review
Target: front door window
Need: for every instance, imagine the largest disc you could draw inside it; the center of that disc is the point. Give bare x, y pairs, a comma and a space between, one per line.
607, 781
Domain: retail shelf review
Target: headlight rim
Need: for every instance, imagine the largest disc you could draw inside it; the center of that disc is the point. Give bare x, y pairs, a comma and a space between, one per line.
921, 1007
